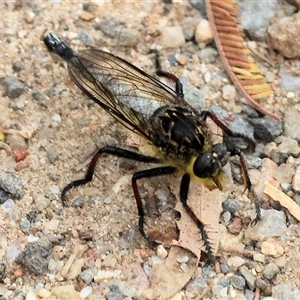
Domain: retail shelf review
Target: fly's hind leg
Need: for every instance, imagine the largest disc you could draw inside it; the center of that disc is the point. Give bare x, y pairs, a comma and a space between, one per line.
147, 174
114, 151
119, 152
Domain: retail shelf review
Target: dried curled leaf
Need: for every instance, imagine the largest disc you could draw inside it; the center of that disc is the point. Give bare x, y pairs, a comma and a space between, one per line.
229, 39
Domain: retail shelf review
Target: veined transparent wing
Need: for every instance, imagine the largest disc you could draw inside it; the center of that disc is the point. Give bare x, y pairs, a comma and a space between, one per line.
126, 92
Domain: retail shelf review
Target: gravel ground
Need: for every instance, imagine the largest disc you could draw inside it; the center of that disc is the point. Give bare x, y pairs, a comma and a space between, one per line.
93, 249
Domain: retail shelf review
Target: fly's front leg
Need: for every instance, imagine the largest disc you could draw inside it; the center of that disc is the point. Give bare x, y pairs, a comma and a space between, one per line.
248, 184
184, 189
147, 174
115, 151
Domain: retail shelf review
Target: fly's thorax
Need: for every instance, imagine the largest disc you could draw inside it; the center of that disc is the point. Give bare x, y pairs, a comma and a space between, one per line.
208, 166
177, 131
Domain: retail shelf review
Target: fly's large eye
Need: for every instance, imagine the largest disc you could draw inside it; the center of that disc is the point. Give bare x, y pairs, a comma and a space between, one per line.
203, 166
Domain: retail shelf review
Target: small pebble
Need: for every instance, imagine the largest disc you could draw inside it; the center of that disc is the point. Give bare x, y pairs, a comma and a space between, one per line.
114, 293
52, 225
56, 121
195, 97
247, 274
289, 146
270, 271
266, 128
52, 155
238, 282
87, 16
54, 189
224, 268
11, 184
78, 202
108, 26
4, 196
65, 292
292, 128
296, 180
16, 141
17, 66
236, 226
43, 293
286, 291
85, 292
110, 261
273, 224
203, 34
182, 59
208, 272
196, 285
226, 216
272, 248
88, 275
13, 87
161, 252
284, 173
172, 37
260, 283
52, 264
18, 273
25, 226
189, 26
105, 275
259, 257
31, 296
230, 205
208, 55
182, 259
128, 37
235, 262
41, 202
35, 256
144, 254
85, 38
228, 92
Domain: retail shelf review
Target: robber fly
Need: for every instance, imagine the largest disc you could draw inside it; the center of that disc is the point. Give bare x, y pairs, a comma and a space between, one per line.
158, 113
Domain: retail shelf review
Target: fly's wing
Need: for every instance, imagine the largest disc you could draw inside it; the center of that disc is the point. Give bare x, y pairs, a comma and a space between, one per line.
124, 91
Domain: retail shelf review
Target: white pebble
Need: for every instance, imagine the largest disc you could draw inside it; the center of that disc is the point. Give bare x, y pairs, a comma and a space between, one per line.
85, 292
161, 252
43, 293
52, 224
8, 205
30, 296
203, 33
56, 120
228, 92
183, 259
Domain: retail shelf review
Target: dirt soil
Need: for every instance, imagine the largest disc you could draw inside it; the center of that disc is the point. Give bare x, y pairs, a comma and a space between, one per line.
61, 129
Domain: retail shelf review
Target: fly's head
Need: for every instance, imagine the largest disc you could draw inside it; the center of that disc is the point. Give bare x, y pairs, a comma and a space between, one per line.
210, 164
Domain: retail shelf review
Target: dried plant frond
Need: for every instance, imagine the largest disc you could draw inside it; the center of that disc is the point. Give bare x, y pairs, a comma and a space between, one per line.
229, 38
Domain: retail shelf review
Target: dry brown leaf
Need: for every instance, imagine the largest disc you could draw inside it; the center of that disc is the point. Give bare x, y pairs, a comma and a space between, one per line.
169, 278
206, 205
283, 199
229, 39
